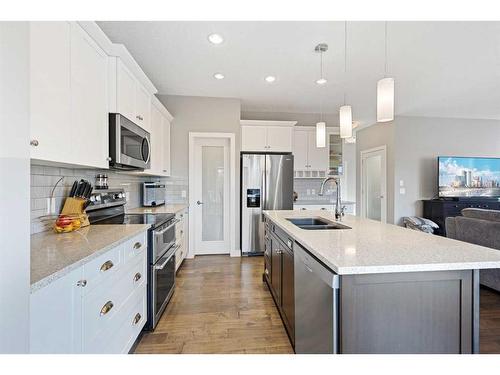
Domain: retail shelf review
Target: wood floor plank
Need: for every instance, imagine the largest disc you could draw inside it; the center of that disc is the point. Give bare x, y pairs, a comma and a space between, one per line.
221, 305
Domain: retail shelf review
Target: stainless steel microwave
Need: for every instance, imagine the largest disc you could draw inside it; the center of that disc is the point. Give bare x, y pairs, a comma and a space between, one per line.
129, 144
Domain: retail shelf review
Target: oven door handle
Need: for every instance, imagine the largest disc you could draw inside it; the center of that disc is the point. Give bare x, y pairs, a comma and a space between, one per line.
162, 266
167, 228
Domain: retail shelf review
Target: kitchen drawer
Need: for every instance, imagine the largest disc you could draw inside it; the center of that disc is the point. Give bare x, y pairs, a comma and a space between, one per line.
135, 246
101, 306
281, 234
102, 268
123, 330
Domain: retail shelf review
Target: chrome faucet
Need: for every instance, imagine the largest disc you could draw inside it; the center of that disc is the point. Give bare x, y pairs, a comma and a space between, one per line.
339, 210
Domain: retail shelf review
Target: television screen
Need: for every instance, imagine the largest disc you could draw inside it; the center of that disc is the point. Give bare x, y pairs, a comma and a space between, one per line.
469, 177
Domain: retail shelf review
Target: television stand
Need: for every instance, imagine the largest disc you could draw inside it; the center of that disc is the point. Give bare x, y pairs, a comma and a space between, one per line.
439, 209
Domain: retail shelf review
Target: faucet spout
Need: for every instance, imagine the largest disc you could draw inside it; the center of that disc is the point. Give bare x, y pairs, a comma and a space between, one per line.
339, 210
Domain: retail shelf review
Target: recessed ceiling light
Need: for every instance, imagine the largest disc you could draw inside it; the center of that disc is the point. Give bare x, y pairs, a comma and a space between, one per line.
219, 76
321, 81
215, 39
270, 79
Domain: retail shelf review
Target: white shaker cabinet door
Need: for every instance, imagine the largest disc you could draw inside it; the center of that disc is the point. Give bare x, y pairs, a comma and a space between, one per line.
125, 92
166, 148
56, 316
142, 108
300, 145
89, 106
254, 138
50, 90
279, 138
317, 156
156, 141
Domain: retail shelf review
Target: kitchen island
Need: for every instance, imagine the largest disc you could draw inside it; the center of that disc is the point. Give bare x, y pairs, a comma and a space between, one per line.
373, 287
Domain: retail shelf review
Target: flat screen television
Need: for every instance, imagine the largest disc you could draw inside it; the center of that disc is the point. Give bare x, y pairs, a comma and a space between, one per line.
468, 177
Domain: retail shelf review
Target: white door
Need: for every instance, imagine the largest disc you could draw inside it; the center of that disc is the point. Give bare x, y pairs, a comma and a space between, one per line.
373, 184
211, 196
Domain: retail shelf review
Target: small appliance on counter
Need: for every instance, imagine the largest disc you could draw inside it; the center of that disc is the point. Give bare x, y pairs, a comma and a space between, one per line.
101, 181
153, 194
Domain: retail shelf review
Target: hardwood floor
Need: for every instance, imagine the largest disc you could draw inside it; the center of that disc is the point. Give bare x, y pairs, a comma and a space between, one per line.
221, 305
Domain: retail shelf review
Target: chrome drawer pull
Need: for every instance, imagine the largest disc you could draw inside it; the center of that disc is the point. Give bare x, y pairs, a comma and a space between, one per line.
137, 318
81, 283
137, 245
137, 276
106, 266
106, 308
266, 271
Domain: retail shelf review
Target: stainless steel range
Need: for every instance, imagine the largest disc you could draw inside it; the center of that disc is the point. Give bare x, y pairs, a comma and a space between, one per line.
107, 207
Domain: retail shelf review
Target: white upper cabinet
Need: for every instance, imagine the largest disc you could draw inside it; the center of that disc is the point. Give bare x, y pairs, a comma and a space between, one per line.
271, 136
253, 138
50, 90
89, 105
132, 99
166, 147
68, 96
306, 155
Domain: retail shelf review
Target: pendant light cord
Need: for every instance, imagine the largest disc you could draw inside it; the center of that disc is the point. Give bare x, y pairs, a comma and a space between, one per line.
345, 60
321, 94
385, 47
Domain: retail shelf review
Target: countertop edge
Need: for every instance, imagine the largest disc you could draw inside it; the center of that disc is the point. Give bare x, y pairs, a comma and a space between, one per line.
396, 268
37, 285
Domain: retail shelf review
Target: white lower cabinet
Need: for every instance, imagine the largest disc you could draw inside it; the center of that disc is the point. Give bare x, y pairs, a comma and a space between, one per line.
98, 308
181, 237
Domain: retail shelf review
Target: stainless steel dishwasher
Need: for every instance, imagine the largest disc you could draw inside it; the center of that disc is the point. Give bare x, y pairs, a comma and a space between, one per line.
316, 305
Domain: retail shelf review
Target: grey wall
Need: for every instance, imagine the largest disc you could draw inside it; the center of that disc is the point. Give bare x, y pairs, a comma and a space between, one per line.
202, 114
370, 137
420, 140
303, 119
14, 189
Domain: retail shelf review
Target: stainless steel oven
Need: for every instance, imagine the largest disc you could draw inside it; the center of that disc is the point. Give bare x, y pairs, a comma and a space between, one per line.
163, 284
129, 144
163, 238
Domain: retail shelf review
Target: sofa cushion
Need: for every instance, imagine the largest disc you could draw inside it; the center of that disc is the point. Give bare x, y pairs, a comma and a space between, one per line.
479, 213
479, 232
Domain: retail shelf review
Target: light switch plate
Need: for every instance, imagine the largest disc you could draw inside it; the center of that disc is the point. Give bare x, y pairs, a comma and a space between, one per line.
401, 183
402, 191
183, 193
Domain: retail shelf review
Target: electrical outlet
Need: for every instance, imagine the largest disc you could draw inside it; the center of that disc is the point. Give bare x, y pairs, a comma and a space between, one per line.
401, 183
402, 191
308, 192
183, 194
313, 192
49, 206
127, 196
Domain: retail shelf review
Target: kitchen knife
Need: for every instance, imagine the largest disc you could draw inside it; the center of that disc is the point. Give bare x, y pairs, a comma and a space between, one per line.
79, 189
86, 190
73, 189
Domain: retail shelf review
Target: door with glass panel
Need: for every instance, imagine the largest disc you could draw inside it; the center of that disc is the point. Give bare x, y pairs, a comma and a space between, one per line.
211, 196
373, 184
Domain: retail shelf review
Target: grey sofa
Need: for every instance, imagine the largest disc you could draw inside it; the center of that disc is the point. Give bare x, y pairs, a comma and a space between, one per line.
480, 227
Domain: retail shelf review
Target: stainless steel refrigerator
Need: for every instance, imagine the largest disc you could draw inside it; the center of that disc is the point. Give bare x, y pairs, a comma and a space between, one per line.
266, 184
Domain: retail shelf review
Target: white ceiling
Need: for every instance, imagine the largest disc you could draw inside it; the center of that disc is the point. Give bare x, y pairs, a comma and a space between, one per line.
442, 69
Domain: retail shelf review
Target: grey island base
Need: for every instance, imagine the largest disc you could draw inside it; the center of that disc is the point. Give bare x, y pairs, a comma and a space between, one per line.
373, 288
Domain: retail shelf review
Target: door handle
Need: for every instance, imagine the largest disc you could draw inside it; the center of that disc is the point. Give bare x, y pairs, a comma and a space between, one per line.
199, 203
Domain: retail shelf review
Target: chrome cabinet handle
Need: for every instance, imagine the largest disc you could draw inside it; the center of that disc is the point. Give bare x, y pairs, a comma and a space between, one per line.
106, 308
266, 271
279, 252
137, 318
139, 117
81, 283
109, 158
106, 266
137, 277
289, 243
198, 203
137, 245
34, 142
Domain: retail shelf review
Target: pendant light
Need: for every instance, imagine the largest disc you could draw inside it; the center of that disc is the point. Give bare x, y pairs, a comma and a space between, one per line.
321, 125
385, 92
345, 112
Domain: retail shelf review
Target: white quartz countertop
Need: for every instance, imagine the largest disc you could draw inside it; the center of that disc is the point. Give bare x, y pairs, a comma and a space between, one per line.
373, 247
164, 209
54, 255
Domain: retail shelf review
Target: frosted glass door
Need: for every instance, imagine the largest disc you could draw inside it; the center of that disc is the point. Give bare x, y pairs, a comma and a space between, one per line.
212, 193
211, 199
373, 200
373, 192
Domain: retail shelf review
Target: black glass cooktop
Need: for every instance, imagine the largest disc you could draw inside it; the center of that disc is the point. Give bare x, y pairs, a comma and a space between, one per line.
153, 219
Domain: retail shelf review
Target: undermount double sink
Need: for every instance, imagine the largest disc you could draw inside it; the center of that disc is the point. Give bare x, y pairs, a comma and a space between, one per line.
316, 223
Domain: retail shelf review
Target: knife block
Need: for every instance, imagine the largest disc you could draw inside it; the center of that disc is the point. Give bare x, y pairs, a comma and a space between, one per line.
74, 207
